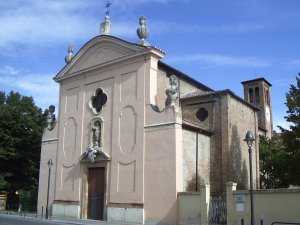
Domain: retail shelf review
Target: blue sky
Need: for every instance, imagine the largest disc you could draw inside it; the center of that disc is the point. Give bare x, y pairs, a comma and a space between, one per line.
218, 42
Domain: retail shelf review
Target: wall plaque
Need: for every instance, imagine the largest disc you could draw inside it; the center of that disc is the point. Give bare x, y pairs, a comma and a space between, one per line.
239, 198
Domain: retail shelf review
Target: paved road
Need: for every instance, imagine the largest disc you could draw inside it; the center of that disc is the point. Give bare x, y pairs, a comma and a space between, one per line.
17, 220
25, 221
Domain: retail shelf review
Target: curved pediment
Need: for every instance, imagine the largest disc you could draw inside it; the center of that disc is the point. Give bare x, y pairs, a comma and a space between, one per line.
100, 50
100, 155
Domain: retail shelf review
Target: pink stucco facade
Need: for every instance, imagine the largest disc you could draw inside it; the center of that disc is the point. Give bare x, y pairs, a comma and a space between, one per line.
144, 146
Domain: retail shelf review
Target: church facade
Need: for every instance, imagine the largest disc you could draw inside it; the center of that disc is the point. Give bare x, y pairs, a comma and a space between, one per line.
132, 132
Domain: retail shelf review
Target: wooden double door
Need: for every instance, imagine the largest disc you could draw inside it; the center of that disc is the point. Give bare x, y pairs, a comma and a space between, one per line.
96, 188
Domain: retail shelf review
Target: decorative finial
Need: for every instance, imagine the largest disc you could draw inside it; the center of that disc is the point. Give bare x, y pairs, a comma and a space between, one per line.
69, 57
105, 26
142, 32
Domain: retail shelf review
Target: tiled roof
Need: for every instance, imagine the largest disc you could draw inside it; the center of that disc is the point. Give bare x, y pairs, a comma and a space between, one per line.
258, 79
195, 94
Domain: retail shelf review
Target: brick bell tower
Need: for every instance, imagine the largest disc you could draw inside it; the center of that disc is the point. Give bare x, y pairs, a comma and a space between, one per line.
257, 92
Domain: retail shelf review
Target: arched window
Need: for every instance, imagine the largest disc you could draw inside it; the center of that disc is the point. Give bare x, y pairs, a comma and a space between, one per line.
250, 95
256, 95
267, 97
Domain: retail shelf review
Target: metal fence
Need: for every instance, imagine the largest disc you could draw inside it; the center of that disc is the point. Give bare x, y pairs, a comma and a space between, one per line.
218, 211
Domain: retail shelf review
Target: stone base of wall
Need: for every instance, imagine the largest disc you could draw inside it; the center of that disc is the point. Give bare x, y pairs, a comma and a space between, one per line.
65, 210
128, 215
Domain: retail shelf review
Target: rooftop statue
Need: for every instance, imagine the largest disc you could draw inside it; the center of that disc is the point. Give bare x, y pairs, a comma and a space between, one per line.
69, 57
51, 121
172, 92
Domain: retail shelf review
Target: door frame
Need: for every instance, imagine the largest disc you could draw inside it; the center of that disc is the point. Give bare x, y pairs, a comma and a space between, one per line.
85, 188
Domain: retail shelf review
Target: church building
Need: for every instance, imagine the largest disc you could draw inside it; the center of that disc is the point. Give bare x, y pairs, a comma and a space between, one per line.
132, 132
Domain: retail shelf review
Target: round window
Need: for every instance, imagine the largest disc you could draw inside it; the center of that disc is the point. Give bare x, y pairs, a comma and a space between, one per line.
202, 114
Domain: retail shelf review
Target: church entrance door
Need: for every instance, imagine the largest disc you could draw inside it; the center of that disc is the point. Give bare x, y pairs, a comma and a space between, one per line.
96, 193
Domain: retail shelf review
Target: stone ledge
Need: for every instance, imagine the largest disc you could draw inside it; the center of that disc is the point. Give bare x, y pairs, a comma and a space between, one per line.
127, 215
269, 191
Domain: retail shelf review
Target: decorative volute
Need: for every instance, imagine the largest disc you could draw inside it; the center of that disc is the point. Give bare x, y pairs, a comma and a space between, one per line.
142, 32
69, 57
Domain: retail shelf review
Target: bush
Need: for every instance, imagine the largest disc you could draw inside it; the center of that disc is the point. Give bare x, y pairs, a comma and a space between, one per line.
28, 200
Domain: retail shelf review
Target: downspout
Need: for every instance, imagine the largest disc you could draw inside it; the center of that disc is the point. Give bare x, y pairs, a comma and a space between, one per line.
196, 161
257, 150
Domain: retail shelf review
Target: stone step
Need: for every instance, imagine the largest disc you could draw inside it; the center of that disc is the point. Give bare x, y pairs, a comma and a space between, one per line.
61, 220
89, 222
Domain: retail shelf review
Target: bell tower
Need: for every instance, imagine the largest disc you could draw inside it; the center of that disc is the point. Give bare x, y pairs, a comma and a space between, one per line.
257, 92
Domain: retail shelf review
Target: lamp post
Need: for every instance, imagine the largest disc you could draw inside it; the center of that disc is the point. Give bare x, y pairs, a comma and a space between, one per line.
249, 140
50, 164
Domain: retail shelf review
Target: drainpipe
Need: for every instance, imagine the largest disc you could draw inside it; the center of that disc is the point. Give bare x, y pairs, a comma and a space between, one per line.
196, 161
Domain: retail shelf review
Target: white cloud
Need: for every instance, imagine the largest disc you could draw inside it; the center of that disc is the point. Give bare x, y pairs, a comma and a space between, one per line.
126, 4
38, 22
158, 27
8, 70
237, 28
40, 86
221, 60
293, 64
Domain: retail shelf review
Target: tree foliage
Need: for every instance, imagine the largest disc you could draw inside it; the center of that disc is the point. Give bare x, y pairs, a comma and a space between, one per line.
21, 129
272, 157
280, 155
291, 137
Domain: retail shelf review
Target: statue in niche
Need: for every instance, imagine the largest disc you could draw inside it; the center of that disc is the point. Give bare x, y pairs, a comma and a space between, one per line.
95, 149
172, 92
96, 133
95, 140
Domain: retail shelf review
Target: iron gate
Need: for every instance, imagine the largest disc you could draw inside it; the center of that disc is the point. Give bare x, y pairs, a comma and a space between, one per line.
218, 211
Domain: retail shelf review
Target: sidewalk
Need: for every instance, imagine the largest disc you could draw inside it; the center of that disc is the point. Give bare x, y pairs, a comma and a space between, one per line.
62, 220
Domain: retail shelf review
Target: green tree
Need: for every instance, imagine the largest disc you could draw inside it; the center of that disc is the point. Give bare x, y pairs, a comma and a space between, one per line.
280, 155
272, 156
21, 129
291, 137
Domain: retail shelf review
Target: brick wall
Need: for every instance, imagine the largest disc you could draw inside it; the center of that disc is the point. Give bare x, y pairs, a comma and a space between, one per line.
190, 154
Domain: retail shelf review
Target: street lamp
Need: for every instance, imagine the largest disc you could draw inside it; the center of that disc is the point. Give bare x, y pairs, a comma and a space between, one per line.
50, 164
249, 140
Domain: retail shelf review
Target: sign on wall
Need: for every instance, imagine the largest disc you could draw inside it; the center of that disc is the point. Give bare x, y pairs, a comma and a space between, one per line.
240, 202
3, 197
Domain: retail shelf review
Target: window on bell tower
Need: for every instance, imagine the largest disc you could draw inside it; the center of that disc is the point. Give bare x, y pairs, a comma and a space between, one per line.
256, 95
250, 95
267, 97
